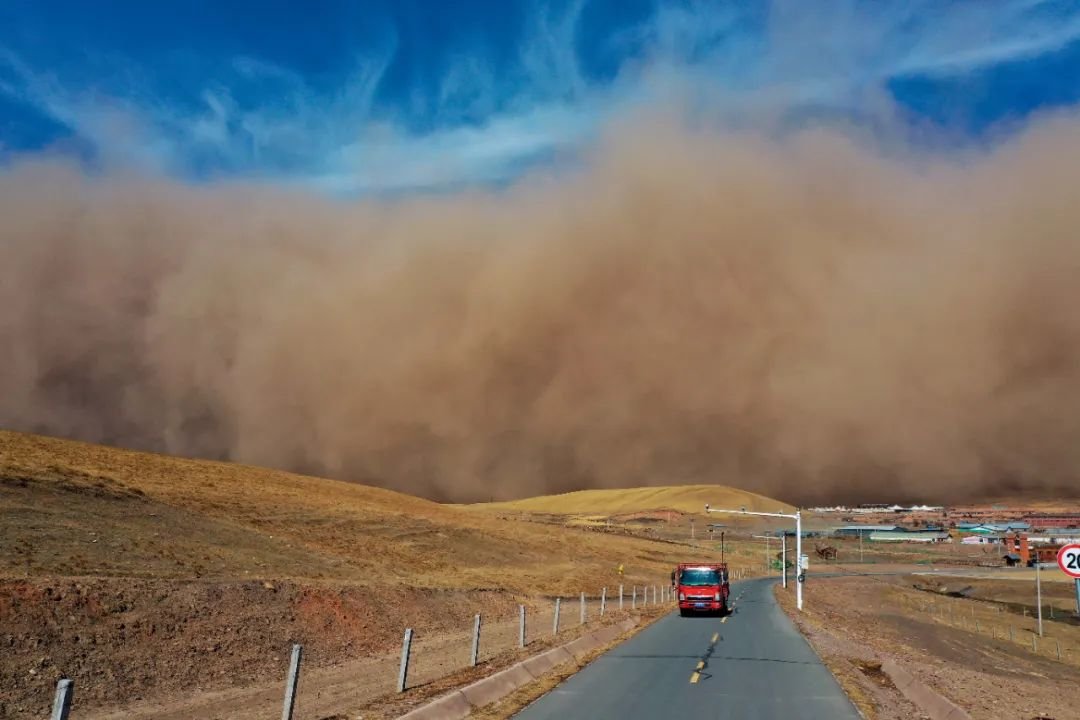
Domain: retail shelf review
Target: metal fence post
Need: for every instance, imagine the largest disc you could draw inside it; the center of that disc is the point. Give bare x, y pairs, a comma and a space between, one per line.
62, 701
620, 597
555, 622
582, 608
633, 599
291, 682
603, 601
403, 672
521, 626
474, 656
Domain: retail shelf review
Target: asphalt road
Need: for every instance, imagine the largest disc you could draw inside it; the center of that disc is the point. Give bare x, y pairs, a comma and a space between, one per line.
754, 665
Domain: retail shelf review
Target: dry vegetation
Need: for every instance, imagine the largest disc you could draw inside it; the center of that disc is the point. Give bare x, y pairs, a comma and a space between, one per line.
144, 575
961, 647
683, 499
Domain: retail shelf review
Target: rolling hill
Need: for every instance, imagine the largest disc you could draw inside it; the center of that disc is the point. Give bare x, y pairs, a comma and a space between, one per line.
684, 498
142, 574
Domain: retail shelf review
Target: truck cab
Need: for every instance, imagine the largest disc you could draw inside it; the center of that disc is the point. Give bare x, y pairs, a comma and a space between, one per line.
701, 587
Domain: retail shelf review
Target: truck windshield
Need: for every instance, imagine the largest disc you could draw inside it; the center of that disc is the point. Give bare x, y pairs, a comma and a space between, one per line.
699, 576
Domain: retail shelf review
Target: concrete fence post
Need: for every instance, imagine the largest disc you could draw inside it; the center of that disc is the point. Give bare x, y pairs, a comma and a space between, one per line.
291, 683
403, 671
521, 626
603, 601
1057, 644
1012, 635
555, 622
62, 702
1034, 643
633, 599
475, 654
620, 597
582, 608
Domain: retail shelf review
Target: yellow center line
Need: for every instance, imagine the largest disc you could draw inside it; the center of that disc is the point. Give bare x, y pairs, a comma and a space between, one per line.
716, 636
722, 621
700, 664
694, 678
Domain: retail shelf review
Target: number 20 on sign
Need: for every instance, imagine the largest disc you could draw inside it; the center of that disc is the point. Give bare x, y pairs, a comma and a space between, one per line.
1069, 559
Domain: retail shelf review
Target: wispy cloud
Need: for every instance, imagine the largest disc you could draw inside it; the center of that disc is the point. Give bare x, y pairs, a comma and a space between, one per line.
484, 124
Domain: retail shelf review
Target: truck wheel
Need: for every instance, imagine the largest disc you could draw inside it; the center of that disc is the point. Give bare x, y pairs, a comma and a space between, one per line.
683, 613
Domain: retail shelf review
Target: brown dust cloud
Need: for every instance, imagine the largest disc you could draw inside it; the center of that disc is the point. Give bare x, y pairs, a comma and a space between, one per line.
813, 316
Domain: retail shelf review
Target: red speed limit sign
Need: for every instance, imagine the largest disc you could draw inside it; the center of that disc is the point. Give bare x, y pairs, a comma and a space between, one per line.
1069, 559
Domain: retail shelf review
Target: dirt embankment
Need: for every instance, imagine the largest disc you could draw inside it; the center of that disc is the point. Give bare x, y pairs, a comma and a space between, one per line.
145, 576
123, 640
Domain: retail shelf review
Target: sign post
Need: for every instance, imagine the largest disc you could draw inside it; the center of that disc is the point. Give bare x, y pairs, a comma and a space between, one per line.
1068, 559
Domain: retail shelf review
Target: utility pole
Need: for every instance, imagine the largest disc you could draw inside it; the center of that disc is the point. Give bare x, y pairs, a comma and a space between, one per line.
1038, 592
766, 538
799, 575
783, 556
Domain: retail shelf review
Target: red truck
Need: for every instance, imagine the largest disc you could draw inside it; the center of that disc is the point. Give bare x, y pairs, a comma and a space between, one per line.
701, 587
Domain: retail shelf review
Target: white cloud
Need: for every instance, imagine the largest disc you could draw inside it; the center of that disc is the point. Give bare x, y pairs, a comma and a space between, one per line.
484, 123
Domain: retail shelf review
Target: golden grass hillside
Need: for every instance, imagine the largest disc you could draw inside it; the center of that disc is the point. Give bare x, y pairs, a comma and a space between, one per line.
71, 508
684, 498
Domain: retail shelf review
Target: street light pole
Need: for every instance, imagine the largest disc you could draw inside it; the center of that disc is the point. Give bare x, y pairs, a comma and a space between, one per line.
798, 542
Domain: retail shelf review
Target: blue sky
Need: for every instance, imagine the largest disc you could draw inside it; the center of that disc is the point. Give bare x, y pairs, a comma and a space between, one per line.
389, 96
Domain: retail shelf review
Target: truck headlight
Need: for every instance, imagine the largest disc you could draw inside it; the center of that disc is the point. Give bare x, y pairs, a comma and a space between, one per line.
682, 596
717, 595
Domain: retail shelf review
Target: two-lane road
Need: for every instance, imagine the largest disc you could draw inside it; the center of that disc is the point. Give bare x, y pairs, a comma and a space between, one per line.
751, 665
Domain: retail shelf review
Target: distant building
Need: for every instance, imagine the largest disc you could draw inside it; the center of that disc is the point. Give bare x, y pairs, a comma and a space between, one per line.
987, 539
993, 528
932, 536
1057, 520
864, 530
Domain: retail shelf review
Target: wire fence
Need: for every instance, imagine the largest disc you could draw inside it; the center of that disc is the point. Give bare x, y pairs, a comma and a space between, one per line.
424, 659
1058, 640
